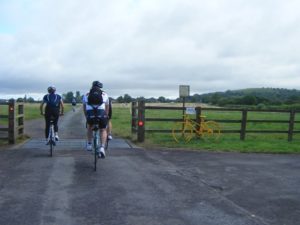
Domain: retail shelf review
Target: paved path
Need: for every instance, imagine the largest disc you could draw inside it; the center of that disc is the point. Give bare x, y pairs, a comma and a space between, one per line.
144, 187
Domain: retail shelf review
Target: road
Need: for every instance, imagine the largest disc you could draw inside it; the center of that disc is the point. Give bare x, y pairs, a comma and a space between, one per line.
135, 186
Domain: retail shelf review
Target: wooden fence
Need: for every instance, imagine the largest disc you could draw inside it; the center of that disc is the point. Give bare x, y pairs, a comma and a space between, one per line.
13, 121
139, 120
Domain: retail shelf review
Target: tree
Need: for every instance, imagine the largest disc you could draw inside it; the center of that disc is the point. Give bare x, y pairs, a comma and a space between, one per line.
161, 99
30, 100
68, 97
120, 99
249, 100
78, 96
127, 98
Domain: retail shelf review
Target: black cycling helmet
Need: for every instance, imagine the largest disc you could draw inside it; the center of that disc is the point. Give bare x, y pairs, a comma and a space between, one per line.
51, 89
97, 84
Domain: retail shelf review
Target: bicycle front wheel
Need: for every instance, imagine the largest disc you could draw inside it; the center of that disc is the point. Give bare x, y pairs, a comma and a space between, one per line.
182, 132
210, 130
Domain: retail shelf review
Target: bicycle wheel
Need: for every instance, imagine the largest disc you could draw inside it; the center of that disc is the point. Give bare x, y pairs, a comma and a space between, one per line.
182, 132
106, 144
210, 130
51, 139
95, 149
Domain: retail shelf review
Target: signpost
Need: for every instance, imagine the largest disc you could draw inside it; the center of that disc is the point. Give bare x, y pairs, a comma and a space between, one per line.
184, 91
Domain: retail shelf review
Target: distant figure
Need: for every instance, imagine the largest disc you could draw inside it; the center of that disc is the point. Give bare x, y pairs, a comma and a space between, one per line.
54, 108
73, 104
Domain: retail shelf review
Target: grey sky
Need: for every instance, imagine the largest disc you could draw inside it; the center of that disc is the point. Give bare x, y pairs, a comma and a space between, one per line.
148, 48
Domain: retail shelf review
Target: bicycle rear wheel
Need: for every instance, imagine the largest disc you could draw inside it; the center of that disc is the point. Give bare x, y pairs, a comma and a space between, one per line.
106, 144
96, 150
211, 131
182, 132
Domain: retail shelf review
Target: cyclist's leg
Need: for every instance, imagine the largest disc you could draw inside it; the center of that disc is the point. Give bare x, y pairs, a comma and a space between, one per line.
109, 129
89, 136
103, 135
55, 116
47, 126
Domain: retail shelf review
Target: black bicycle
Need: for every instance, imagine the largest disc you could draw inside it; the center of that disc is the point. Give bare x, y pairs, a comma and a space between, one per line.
96, 144
51, 137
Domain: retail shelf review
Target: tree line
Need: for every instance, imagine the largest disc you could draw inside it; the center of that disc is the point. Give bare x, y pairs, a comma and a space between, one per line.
252, 97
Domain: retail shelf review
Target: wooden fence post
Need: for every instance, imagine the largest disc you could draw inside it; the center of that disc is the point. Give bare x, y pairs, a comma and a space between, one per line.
21, 119
133, 117
243, 125
11, 122
291, 125
141, 121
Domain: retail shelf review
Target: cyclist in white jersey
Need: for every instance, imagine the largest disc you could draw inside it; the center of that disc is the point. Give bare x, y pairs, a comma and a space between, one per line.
102, 110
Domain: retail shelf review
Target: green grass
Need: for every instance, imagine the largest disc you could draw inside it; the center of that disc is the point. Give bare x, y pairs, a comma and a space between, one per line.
260, 143
121, 121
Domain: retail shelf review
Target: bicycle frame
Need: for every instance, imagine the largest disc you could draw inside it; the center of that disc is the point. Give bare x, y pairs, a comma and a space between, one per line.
51, 137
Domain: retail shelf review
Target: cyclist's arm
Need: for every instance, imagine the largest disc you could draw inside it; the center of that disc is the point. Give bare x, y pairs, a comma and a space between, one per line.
61, 107
107, 109
84, 109
106, 103
42, 107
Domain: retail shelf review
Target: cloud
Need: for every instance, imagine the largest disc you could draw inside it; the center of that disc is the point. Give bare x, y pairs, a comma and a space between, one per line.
148, 48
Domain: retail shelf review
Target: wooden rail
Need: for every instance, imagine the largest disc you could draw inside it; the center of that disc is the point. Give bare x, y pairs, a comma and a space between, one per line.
139, 120
14, 120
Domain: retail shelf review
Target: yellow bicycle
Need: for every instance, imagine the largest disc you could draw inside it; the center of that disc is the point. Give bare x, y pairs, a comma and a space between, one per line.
187, 129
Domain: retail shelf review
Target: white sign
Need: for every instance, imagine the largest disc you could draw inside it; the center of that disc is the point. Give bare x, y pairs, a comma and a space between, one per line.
184, 91
190, 110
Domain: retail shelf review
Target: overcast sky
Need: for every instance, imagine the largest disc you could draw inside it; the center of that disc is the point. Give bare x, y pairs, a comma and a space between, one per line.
148, 47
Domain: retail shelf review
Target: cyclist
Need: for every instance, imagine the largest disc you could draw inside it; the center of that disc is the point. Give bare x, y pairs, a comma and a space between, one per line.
73, 104
109, 127
101, 108
54, 108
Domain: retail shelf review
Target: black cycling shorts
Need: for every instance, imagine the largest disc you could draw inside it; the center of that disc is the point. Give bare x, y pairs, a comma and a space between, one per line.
97, 116
101, 121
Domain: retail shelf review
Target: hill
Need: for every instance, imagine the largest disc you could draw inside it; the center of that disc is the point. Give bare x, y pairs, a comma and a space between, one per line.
252, 96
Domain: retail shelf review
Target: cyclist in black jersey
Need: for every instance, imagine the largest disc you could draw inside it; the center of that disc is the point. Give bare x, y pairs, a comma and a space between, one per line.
54, 108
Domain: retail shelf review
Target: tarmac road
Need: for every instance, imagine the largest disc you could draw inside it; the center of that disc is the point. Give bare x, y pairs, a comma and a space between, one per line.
134, 186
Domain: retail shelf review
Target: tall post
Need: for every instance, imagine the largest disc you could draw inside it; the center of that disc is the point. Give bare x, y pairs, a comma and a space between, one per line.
141, 121
291, 125
243, 125
11, 122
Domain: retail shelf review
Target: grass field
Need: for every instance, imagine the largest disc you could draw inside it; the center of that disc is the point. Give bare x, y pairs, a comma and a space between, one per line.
267, 143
